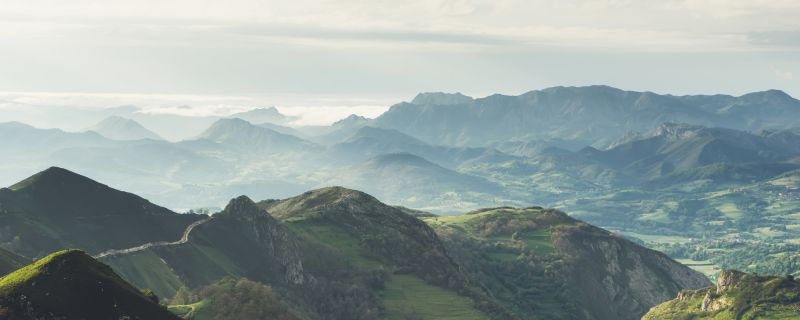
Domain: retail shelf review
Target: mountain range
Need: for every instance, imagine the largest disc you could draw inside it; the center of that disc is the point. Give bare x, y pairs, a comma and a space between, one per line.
337, 253
593, 115
705, 179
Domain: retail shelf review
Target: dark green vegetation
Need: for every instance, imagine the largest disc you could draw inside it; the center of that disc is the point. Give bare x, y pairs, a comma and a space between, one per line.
57, 209
737, 295
71, 285
231, 299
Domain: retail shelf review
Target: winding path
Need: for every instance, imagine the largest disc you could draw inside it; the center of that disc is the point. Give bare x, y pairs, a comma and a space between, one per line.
184, 239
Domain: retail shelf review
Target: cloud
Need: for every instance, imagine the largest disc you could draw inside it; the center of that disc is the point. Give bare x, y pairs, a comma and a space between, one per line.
310, 109
672, 25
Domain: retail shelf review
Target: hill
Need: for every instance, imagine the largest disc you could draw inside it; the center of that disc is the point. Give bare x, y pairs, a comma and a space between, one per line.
57, 209
535, 261
71, 285
29, 143
499, 263
118, 128
369, 142
676, 148
244, 241
417, 182
737, 295
240, 133
594, 115
337, 253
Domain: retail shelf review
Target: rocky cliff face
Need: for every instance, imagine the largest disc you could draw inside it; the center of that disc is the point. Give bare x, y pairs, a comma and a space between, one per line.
387, 232
615, 278
737, 295
273, 238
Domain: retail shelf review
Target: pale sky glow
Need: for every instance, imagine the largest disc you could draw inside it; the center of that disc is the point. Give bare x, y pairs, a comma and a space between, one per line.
397, 48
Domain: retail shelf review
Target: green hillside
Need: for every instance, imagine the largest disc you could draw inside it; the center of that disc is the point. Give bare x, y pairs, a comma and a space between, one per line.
422, 280
531, 260
737, 295
71, 285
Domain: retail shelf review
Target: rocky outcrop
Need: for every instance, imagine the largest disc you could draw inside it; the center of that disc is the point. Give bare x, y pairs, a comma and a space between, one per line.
387, 232
619, 279
273, 238
737, 295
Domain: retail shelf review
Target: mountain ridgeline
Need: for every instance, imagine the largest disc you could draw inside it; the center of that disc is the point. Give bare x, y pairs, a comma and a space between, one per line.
595, 115
337, 253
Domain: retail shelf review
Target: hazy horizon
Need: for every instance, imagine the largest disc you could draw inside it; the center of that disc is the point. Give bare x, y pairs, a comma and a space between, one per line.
364, 49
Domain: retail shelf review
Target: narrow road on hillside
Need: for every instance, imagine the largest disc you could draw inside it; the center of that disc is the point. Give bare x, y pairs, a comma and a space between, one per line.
184, 239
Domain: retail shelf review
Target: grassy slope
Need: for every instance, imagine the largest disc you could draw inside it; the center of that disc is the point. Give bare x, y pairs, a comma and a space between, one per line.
147, 270
409, 295
508, 249
404, 294
502, 226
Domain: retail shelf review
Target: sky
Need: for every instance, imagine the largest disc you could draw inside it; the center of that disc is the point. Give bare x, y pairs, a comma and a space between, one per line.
339, 52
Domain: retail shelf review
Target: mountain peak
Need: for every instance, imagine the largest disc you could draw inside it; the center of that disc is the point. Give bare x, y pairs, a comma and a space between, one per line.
772, 94
119, 128
264, 114
350, 120
323, 199
53, 176
441, 98
239, 132
242, 205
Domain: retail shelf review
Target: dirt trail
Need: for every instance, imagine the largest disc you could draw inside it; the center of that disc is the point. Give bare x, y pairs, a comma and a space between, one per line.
184, 239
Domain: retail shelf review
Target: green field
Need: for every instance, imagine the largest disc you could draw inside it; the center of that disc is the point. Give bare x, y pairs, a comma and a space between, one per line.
338, 239
407, 295
656, 239
146, 270
730, 210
